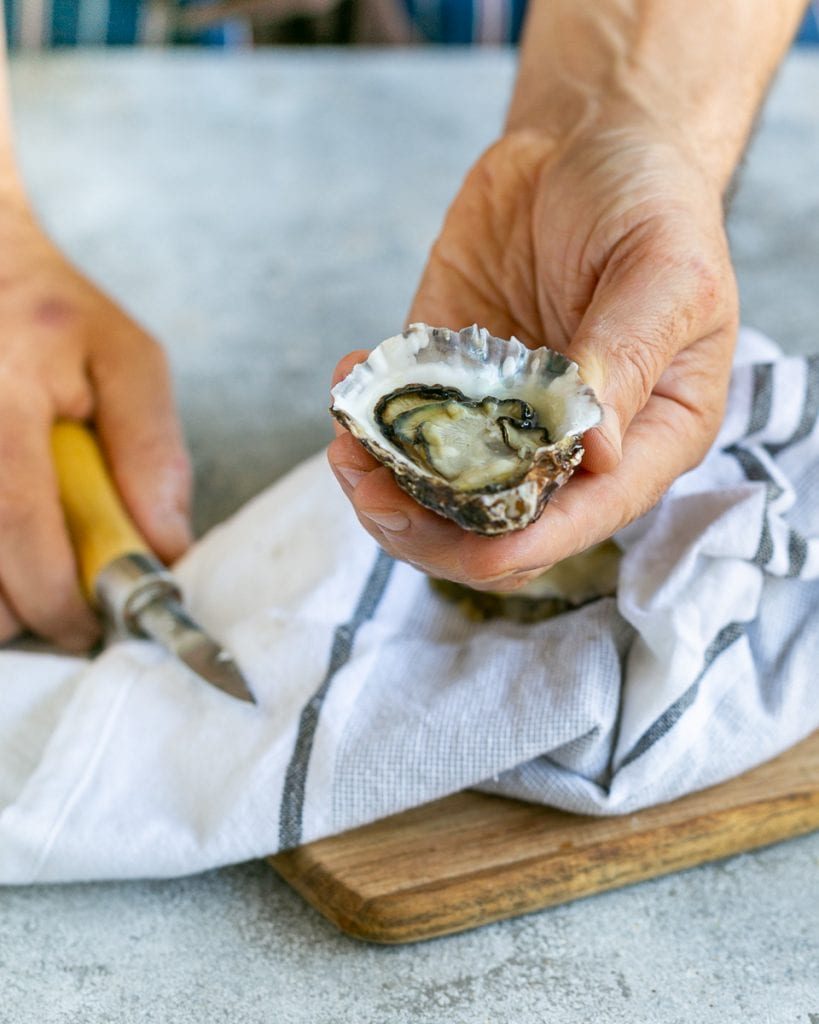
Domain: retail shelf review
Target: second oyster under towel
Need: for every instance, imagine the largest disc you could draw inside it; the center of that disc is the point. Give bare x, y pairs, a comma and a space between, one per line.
375, 695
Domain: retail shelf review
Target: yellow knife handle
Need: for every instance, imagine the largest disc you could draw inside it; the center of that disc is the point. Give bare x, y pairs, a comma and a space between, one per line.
100, 528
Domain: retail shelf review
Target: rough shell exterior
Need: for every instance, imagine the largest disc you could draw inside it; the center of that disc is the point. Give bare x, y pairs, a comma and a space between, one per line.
479, 365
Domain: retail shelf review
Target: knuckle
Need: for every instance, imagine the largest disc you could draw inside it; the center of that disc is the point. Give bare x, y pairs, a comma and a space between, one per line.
709, 283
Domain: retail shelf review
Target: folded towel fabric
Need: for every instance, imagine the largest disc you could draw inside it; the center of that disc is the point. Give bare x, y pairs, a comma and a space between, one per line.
374, 694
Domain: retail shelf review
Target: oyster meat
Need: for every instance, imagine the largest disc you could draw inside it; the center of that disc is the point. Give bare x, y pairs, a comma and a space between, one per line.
476, 428
475, 445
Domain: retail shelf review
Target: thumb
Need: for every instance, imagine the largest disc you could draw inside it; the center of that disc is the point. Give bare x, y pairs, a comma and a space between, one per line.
142, 439
637, 322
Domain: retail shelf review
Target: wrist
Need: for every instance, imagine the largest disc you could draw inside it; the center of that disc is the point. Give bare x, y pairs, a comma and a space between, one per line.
694, 74
706, 135
618, 159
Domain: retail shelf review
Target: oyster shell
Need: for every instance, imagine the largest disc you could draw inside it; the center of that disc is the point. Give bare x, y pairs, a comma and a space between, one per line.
479, 429
569, 584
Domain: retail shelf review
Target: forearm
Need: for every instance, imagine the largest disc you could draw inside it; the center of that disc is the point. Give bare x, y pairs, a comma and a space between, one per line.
696, 72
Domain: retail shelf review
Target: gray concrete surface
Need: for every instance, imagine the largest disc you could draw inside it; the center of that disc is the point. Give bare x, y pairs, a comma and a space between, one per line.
264, 214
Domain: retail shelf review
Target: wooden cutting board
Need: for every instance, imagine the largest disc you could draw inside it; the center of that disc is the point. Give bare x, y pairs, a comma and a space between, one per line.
470, 859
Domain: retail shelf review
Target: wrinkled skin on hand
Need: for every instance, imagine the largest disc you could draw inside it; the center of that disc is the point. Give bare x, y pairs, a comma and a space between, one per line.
613, 251
67, 351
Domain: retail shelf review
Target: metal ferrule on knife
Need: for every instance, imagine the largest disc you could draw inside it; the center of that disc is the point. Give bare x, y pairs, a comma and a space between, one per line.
118, 571
128, 584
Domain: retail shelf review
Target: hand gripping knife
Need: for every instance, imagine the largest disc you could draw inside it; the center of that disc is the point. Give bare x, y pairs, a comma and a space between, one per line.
119, 573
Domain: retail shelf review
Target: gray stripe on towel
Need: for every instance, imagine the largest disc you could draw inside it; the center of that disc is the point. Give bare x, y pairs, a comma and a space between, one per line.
797, 553
765, 551
810, 409
754, 469
295, 780
762, 398
668, 719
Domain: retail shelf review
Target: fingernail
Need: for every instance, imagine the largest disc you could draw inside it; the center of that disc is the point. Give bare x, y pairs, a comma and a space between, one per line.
350, 475
395, 522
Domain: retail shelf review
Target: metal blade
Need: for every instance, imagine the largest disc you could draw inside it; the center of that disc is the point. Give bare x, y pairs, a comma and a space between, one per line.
166, 621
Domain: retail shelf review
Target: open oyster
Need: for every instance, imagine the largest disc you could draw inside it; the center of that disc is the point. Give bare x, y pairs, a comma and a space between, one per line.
476, 428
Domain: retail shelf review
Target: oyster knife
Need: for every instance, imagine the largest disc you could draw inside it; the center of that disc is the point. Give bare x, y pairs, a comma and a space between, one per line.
120, 575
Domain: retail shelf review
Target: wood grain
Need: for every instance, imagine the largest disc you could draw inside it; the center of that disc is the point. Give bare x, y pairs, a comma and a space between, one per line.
470, 859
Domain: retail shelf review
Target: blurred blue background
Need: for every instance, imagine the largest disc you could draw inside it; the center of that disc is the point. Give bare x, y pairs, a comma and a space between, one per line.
34, 24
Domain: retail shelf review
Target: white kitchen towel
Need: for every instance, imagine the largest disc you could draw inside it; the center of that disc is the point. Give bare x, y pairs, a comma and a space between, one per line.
375, 695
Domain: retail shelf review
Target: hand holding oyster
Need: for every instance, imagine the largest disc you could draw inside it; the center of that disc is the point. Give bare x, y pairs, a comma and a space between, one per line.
476, 428
611, 248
